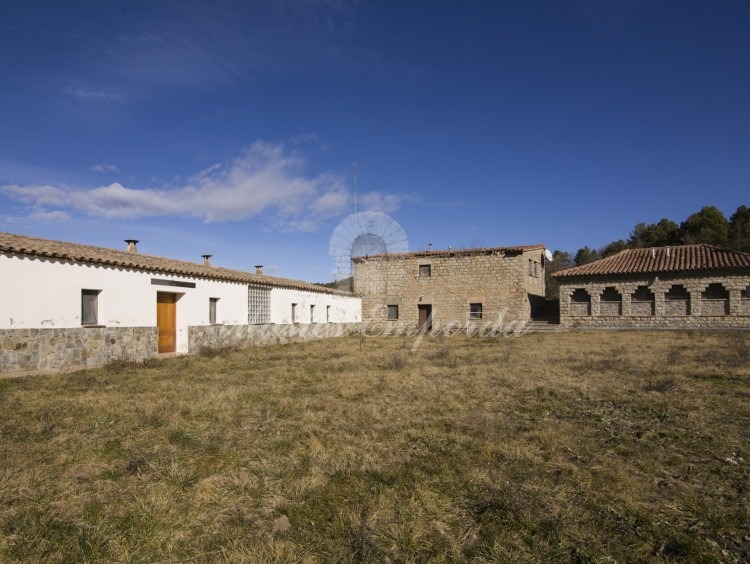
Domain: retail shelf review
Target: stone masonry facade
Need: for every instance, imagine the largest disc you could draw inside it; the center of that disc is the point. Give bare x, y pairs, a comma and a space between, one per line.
463, 287
716, 300
47, 348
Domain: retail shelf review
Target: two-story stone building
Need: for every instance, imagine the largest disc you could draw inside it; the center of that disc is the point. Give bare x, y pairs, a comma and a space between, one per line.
688, 286
456, 286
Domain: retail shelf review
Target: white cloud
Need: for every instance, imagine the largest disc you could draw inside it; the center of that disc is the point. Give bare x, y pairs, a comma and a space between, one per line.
105, 168
264, 179
94, 95
385, 203
42, 215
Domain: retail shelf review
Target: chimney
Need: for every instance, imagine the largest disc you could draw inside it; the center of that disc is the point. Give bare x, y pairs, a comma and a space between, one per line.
429, 247
207, 260
132, 245
259, 269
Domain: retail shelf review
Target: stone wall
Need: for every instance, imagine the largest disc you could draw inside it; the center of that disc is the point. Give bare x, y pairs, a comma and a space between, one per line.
231, 336
502, 282
41, 349
696, 311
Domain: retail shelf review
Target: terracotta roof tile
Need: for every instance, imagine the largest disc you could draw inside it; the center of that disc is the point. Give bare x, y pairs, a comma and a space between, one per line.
34, 246
452, 252
684, 258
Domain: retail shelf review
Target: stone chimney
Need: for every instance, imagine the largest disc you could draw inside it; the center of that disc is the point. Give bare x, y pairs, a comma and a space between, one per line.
207, 260
429, 247
132, 245
259, 269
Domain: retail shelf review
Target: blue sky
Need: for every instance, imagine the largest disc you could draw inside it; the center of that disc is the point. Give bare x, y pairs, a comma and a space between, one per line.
230, 128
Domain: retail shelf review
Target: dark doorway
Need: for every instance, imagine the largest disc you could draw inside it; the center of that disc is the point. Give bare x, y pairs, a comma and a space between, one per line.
425, 317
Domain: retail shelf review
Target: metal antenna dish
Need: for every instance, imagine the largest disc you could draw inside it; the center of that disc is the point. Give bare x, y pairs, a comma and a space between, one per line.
548, 254
365, 234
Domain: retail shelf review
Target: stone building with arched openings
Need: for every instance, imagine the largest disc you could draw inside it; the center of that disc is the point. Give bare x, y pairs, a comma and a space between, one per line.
688, 286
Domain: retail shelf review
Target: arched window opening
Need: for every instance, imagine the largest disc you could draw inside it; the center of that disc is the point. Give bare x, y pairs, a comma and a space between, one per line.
715, 300
677, 301
610, 303
580, 302
745, 301
642, 301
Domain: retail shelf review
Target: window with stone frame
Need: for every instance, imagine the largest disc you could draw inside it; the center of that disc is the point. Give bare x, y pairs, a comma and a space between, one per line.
746, 293
425, 270
90, 307
642, 301
475, 311
392, 312
715, 300
677, 301
580, 302
610, 302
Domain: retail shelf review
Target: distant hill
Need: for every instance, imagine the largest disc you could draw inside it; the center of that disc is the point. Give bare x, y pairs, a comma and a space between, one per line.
344, 285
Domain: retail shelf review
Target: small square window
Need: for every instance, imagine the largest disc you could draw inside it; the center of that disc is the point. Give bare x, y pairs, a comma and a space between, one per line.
475, 311
531, 267
212, 307
392, 312
425, 270
312, 314
536, 269
294, 313
746, 292
328, 314
89, 307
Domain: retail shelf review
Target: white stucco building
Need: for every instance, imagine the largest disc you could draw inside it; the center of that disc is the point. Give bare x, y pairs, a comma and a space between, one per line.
65, 304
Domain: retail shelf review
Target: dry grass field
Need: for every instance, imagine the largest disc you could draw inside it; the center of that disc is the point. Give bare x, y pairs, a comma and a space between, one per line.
576, 447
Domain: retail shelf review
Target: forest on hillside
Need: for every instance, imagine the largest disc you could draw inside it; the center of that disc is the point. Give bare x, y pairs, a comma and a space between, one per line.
709, 226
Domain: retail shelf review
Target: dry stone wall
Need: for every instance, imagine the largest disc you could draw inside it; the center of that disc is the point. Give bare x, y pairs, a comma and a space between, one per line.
47, 348
231, 336
693, 311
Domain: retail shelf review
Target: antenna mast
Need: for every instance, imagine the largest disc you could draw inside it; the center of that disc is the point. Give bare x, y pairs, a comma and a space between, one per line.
354, 168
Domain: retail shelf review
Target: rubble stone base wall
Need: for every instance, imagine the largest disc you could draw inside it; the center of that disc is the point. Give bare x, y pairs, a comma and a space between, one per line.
673, 322
42, 349
231, 336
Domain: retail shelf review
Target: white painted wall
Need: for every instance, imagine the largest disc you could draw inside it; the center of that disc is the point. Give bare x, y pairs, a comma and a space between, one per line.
343, 309
36, 293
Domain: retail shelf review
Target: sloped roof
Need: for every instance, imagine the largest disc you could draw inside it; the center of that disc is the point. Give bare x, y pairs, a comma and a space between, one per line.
452, 253
683, 258
34, 246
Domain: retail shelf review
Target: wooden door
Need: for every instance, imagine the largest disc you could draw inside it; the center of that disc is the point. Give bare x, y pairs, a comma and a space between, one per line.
166, 321
425, 317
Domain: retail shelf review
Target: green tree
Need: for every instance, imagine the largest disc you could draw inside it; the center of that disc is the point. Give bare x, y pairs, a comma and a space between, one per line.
612, 249
707, 226
739, 229
661, 234
560, 261
585, 255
